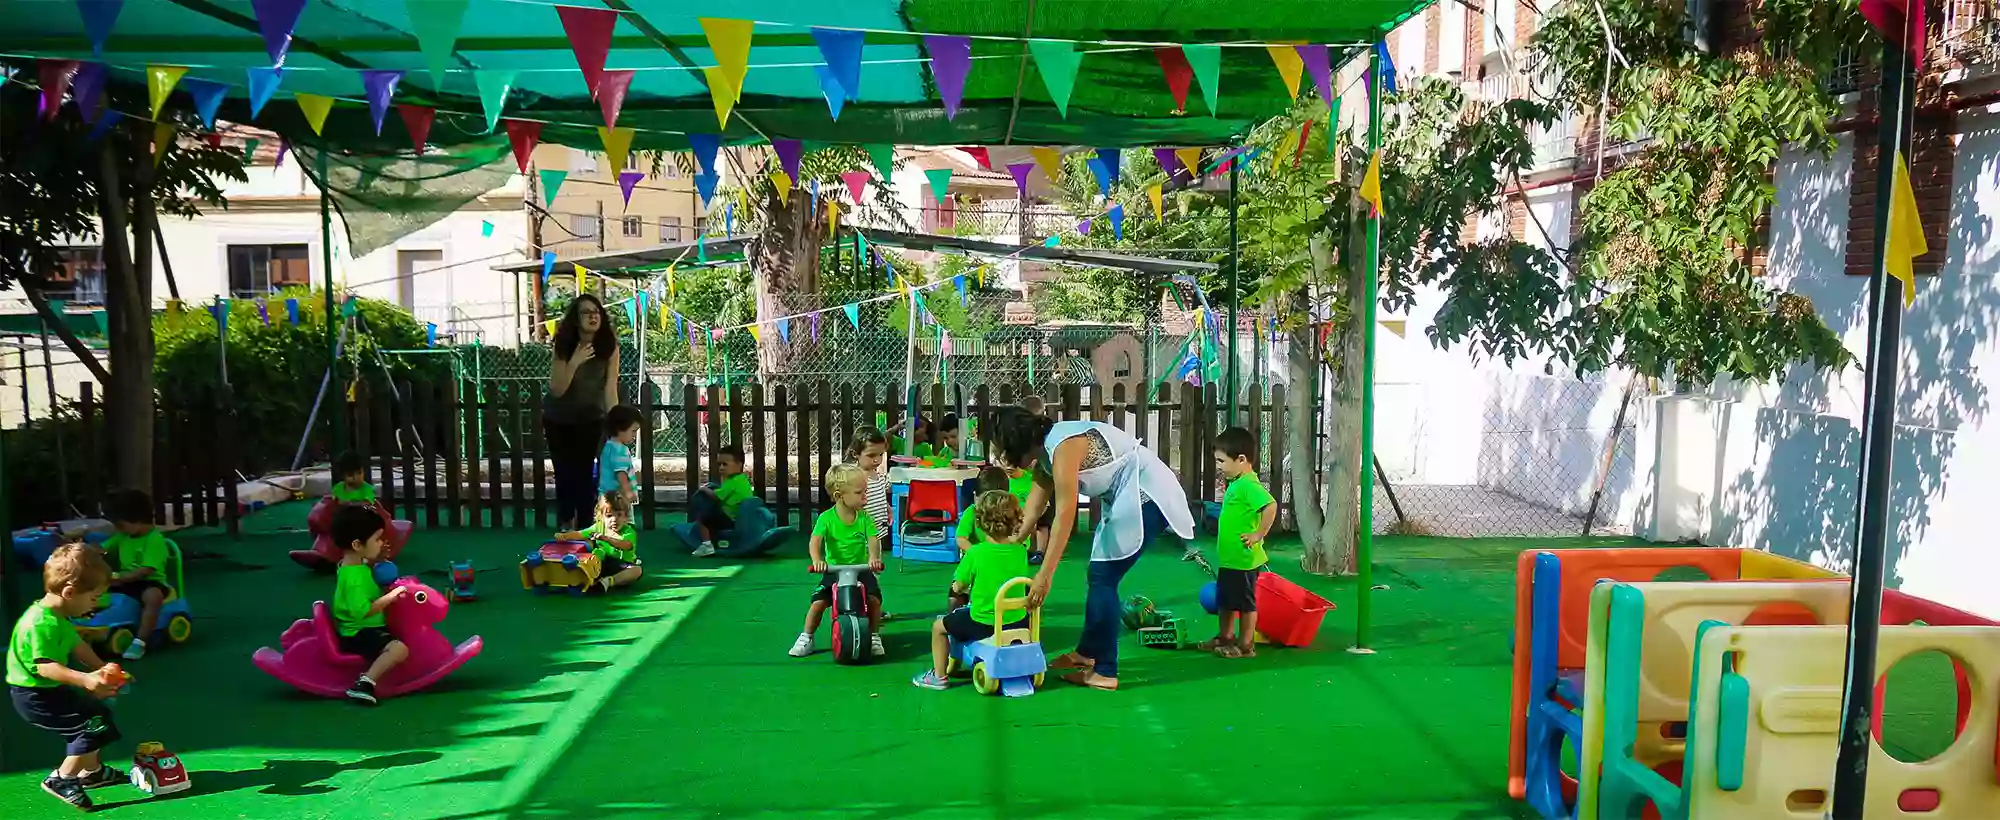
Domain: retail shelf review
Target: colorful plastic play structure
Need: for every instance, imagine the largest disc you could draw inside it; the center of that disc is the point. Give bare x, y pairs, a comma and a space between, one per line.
1718, 697
310, 660
111, 628
325, 555
1010, 662
558, 566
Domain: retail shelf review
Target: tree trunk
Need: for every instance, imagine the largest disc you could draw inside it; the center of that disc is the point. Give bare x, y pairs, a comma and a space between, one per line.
1301, 432
786, 266
1341, 457
128, 395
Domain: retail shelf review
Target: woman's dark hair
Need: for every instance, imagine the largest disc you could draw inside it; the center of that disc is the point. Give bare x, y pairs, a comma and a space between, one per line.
1018, 436
617, 419
605, 341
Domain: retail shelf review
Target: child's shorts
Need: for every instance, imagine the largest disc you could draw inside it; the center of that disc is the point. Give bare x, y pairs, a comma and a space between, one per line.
1236, 589
367, 643
824, 592
136, 590
83, 722
959, 624
613, 566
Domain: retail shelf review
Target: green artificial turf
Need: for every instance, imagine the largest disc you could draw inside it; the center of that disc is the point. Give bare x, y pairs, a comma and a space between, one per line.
677, 700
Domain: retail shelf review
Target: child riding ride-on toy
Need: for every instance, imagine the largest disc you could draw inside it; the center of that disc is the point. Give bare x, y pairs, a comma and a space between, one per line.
1011, 662
310, 658
851, 644
325, 555
113, 626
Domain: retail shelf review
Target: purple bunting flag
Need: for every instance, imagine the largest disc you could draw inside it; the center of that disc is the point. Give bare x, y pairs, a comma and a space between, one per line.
87, 88
381, 87
1020, 170
789, 153
275, 20
951, 60
627, 180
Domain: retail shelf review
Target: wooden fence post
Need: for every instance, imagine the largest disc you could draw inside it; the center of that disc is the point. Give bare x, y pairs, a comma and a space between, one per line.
786, 451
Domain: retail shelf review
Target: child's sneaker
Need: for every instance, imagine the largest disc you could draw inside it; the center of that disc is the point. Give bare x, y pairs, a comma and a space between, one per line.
136, 651
875, 645
604, 583
930, 680
69, 790
104, 776
803, 646
706, 549
363, 691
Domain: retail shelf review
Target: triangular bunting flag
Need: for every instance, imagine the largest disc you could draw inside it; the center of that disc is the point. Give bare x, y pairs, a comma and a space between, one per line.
729, 218
381, 86
704, 184
98, 17
841, 48
275, 20
163, 139
1190, 160
611, 88
1118, 222
884, 157
979, 155
582, 277
250, 149
1050, 160
1305, 132
814, 322
1900, 22
940, 183
1205, 59
284, 147
548, 266
833, 217
853, 312
673, 291
729, 40
1905, 241
1388, 66
1112, 158
207, 98
1371, 184
1396, 326
951, 59
857, 181
589, 32
704, 147
552, 181
783, 183
722, 92
292, 310
522, 135
1102, 174
485, 228
87, 86
417, 120
627, 180
1155, 194
1319, 66
829, 87
315, 107
493, 88
55, 76
160, 82
1057, 60
263, 83
784, 330
789, 152
617, 141
436, 22
1168, 163
959, 283
1289, 66
1174, 64
1020, 170
755, 334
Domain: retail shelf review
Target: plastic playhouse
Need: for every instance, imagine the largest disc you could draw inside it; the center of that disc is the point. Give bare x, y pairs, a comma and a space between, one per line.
309, 657
1720, 699
325, 555
111, 628
1011, 662
560, 565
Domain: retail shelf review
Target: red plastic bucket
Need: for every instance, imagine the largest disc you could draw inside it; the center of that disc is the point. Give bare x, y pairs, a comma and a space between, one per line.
1287, 613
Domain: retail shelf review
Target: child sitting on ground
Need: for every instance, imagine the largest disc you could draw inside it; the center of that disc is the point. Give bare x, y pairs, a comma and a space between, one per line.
614, 460
613, 540
353, 486
726, 497
358, 602
51, 695
1248, 511
140, 553
844, 536
989, 564
868, 449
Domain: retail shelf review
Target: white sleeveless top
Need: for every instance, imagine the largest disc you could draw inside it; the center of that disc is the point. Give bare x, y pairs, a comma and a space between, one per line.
1117, 485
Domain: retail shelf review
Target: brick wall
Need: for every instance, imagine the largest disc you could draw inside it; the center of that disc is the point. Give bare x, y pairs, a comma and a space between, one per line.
1933, 152
1433, 27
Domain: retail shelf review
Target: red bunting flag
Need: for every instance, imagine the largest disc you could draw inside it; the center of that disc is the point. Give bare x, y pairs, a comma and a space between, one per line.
523, 135
589, 32
417, 120
1901, 22
979, 155
1174, 63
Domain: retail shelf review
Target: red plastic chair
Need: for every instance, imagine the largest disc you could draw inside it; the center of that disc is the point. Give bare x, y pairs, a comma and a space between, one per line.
932, 502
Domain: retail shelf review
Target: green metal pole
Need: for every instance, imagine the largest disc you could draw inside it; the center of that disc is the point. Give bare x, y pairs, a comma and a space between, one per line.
337, 418
1230, 396
1364, 547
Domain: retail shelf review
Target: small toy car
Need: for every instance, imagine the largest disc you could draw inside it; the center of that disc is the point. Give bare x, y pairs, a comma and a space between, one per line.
157, 771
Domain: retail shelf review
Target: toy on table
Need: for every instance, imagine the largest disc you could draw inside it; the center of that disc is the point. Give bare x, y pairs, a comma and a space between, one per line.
461, 582
310, 660
325, 555
560, 565
1011, 662
1172, 633
157, 771
755, 532
112, 627
850, 615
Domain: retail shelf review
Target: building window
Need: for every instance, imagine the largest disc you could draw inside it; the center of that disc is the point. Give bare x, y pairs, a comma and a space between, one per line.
632, 226
632, 162
79, 276
256, 270
582, 162
585, 227
410, 265
670, 229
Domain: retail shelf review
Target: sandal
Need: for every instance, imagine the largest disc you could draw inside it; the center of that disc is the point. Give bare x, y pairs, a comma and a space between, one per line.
1071, 660
1092, 680
1228, 650
1215, 643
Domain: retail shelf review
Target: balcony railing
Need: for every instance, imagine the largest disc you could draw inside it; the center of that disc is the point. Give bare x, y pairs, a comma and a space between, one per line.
1971, 31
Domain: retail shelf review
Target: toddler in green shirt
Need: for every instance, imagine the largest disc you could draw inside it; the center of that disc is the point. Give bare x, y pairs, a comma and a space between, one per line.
1248, 512
844, 536
140, 553
724, 500
613, 540
51, 695
994, 560
353, 486
360, 627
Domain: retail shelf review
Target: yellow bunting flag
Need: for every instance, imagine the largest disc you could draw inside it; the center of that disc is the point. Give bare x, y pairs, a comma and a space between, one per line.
617, 143
783, 182
1190, 159
582, 277
1154, 193
1371, 184
549, 327
673, 291
1050, 160
160, 82
1906, 232
1287, 146
163, 138
315, 107
1395, 326
663, 320
832, 217
730, 41
174, 307
755, 336
1290, 65
722, 92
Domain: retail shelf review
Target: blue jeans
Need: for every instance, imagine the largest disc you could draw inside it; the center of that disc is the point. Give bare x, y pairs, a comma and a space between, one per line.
1103, 609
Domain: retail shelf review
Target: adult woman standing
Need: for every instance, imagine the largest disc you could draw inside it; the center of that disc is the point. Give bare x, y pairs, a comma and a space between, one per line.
1137, 495
583, 385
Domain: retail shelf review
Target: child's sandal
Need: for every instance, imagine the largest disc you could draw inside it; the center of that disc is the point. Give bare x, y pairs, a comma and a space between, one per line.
1228, 650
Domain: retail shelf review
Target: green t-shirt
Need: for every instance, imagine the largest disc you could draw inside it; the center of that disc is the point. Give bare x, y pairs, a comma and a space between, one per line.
42, 634
1241, 505
984, 568
732, 492
354, 591
605, 549
133, 552
971, 529
365, 494
1021, 483
844, 542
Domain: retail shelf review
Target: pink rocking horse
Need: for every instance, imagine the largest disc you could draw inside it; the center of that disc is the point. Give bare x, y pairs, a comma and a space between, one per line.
311, 661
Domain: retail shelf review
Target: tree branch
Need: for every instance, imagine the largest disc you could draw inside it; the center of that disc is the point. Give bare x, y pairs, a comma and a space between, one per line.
69, 338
